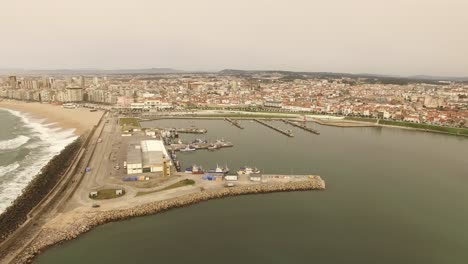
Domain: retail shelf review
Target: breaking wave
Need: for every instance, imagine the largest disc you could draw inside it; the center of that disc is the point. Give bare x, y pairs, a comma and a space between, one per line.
8, 168
14, 143
47, 141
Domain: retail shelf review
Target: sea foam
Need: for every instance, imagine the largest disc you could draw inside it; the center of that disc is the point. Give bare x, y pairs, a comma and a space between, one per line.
51, 141
8, 168
14, 143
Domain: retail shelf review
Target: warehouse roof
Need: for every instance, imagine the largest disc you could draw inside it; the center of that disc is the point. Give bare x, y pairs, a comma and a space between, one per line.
152, 158
133, 155
152, 145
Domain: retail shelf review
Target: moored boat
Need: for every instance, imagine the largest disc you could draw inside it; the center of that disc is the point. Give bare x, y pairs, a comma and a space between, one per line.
194, 170
187, 149
213, 147
219, 170
248, 170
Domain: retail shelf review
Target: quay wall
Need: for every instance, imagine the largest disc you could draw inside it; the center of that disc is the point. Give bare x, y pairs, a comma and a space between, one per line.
51, 236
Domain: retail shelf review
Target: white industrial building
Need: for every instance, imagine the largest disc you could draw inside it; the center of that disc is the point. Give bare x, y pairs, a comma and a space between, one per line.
146, 156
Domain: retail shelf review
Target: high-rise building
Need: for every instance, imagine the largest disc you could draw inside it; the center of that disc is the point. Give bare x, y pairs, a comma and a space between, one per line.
234, 85
95, 81
13, 82
82, 82
74, 94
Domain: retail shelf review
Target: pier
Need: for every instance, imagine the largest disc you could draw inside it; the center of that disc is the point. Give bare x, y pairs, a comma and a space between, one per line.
285, 132
234, 122
198, 146
304, 127
191, 130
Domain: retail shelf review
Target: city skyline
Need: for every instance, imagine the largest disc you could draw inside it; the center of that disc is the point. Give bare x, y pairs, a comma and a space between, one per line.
168, 70
399, 38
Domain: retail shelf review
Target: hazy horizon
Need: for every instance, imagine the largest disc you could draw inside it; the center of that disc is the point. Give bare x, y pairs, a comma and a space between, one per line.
402, 38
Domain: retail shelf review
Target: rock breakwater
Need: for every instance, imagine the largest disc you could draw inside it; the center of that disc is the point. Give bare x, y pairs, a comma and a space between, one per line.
50, 235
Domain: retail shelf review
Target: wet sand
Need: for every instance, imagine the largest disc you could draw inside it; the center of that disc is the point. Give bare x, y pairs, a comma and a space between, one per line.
80, 119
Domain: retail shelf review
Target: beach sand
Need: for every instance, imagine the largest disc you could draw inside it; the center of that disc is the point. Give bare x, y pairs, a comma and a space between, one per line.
81, 119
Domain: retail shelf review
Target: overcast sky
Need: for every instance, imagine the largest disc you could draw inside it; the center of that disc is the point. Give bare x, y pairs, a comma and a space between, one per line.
402, 37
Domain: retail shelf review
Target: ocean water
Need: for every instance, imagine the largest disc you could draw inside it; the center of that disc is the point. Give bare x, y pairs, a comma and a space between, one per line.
26, 145
393, 196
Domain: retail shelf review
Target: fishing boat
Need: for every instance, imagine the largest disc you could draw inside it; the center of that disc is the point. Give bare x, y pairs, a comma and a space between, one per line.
219, 170
194, 170
248, 170
197, 170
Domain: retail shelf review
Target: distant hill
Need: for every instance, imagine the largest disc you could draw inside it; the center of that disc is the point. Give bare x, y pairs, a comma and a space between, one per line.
388, 79
427, 77
288, 75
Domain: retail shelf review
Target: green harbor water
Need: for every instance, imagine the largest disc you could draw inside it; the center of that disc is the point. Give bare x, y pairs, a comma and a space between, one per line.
393, 196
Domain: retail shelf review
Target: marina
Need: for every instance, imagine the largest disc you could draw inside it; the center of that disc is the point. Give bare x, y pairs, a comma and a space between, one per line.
338, 211
284, 132
174, 132
302, 126
191, 130
198, 144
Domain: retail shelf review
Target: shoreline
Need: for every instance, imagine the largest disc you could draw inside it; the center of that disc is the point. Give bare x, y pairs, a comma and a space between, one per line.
339, 123
53, 126
80, 119
87, 221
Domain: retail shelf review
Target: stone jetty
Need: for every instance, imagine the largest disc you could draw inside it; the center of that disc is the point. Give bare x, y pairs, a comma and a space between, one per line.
234, 122
70, 228
302, 126
284, 132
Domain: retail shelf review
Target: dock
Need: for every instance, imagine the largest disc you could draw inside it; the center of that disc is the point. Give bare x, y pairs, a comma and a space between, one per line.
191, 130
284, 132
179, 147
200, 144
175, 161
302, 126
174, 132
234, 122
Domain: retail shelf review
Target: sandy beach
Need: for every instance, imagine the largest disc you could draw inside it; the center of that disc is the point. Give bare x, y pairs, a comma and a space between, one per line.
80, 119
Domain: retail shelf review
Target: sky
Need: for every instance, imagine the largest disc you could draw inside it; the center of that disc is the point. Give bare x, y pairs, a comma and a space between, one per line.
397, 37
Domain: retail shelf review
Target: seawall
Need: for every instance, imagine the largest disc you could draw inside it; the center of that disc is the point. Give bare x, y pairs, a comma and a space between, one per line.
52, 236
36, 191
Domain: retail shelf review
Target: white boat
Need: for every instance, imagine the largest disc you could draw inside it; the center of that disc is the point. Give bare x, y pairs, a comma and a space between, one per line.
187, 149
219, 170
213, 147
248, 170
